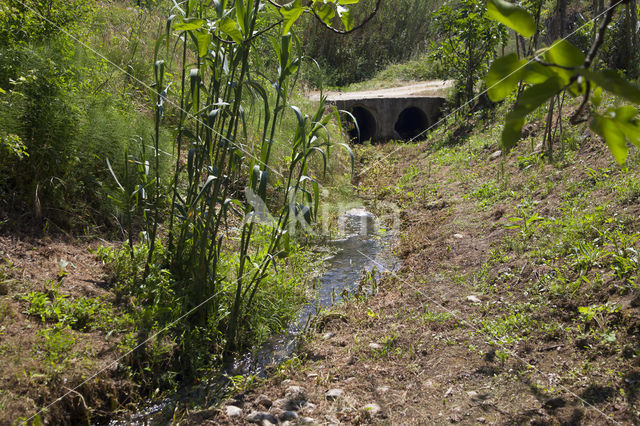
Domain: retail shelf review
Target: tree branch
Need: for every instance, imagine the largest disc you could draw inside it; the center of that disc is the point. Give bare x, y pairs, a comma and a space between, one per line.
335, 30
597, 44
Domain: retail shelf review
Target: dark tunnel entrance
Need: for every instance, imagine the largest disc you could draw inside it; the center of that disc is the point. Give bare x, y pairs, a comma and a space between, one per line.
411, 122
366, 123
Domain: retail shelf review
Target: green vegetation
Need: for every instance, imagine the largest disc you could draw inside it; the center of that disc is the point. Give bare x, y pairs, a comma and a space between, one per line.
178, 129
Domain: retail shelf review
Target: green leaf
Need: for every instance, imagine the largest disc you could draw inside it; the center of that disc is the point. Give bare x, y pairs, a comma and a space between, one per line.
204, 41
325, 12
346, 16
612, 82
291, 12
625, 117
530, 99
348, 1
230, 28
504, 76
535, 96
613, 135
514, 17
535, 73
596, 97
189, 24
511, 133
351, 155
567, 55
240, 16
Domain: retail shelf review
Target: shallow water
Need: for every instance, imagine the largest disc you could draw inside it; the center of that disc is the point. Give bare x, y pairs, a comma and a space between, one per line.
363, 248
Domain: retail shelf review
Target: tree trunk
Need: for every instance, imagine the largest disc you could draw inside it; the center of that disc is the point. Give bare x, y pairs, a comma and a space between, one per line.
560, 18
628, 48
632, 6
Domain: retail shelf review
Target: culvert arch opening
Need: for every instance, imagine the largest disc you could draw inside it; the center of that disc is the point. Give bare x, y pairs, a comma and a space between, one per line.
366, 124
411, 122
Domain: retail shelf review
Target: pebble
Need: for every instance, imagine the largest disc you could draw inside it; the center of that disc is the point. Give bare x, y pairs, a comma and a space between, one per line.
309, 407
233, 411
328, 336
382, 389
472, 394
473, 299
448, 392
307, 421
334, 394
263, 401
481, 420
372, 409
296, 397
288, 416
374, 346
296, 393
458, 236
260, 417
496, 155
281, 403
276, 412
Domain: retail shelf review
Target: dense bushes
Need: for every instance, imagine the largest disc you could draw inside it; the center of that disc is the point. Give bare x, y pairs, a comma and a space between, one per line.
59, 119
398, 32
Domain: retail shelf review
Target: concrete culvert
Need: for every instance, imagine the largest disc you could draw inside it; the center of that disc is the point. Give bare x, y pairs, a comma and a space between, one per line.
366, 122
411, 122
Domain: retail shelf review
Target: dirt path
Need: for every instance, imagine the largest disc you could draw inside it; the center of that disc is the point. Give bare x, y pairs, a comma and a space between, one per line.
426, 88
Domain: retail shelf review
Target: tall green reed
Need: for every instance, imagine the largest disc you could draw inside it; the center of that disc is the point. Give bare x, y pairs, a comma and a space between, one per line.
217, 154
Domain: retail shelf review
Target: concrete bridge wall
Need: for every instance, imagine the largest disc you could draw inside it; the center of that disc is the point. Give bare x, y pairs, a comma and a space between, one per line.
386, 118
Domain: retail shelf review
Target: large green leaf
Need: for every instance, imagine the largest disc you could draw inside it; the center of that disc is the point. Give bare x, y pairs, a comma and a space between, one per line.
503, 77
535, 96
613, 135
230, 28
612, 82
530, 99
189, 25
204, 40
346, 16
511, 133
564, 54
291, 12
535, 73
625, 116
325, 12
514, 17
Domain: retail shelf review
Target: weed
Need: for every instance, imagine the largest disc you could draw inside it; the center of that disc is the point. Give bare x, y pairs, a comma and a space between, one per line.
509, 328
82, 313
488, 194
56, 345
528, 221
432, 317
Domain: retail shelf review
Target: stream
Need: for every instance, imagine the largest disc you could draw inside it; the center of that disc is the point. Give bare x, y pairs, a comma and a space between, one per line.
365, 247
